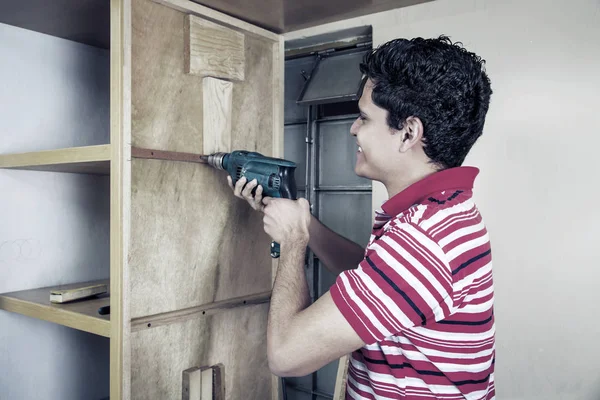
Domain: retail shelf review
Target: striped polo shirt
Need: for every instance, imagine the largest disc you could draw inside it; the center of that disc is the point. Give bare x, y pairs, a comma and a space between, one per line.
422, 298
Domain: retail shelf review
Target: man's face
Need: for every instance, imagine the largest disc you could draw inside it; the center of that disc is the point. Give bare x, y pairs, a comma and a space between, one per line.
377, 143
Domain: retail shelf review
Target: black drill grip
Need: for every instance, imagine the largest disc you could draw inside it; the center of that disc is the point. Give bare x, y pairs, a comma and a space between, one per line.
287, 190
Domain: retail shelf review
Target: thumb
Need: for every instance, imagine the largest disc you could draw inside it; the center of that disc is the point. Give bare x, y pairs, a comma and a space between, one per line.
266, 200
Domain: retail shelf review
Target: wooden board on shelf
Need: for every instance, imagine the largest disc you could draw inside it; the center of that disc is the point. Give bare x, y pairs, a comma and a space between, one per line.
82, 315
84, 160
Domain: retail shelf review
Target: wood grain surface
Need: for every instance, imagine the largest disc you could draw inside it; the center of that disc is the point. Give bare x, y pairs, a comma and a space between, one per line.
217, 115
81, 314
213, 50
191, 242
235, 339
85, 160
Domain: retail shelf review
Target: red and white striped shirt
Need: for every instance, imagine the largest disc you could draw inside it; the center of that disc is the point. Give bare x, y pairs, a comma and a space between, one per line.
422, 298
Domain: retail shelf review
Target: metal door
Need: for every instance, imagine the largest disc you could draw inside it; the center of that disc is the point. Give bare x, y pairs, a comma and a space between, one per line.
319, 141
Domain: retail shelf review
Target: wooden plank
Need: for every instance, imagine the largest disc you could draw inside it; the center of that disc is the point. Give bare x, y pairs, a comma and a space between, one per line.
190, 7
152, 154
213, 50
203, 383
217, 115
120, 183
153, 321
341, 378
87, 159
235, 339
278, 149
207, 384
192, 384
82, 315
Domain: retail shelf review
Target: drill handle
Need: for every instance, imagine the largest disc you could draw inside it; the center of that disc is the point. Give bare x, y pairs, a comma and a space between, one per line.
287, 190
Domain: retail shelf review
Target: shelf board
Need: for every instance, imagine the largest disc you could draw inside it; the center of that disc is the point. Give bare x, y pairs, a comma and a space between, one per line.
82, 314
84, 160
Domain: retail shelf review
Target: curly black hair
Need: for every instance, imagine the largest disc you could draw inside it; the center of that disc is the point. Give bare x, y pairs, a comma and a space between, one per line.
439, 82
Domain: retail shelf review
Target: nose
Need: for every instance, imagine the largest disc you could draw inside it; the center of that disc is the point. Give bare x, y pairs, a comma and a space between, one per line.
354, 127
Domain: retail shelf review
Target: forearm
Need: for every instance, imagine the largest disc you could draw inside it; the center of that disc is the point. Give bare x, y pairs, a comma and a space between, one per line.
336, 252
290, 296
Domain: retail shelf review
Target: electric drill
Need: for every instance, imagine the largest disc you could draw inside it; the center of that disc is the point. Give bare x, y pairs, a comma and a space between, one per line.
275, 175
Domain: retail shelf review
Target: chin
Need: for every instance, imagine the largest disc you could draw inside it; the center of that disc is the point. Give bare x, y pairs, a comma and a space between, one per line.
361, 172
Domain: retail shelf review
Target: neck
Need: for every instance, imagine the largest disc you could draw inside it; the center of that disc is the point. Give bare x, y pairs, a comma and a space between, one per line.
407, 177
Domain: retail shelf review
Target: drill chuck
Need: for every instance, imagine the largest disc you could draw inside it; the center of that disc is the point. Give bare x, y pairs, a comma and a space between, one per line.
215, 160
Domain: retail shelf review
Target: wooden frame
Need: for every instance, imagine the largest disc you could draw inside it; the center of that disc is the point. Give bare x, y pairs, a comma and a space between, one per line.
116, 159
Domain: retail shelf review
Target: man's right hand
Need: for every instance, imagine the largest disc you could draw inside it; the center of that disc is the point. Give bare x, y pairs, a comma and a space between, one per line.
244, 191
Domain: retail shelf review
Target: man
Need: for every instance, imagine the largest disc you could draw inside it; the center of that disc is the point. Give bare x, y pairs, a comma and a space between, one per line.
415, 308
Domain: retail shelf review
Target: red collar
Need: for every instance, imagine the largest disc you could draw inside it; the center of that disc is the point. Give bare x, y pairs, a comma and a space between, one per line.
451, 178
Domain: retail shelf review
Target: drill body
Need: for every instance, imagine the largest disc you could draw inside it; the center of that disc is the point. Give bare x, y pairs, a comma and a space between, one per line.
275, 175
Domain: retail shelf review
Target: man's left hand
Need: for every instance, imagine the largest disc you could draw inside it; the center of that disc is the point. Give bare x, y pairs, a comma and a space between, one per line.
287, 221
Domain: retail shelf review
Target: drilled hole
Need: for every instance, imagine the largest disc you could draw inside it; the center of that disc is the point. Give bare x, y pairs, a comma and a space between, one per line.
152, 153
203, 312
149, 325
244, 301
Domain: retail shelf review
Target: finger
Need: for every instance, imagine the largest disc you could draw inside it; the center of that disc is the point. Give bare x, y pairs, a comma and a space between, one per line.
239, 185
247, 192
258, 194
266, 200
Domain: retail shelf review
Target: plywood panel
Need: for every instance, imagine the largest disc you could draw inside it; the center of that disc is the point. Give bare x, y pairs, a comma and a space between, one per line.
192, 241
213, 50
166, 102
235, 338
217, 115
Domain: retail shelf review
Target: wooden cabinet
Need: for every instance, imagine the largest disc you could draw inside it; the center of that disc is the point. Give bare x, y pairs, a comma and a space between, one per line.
189, 266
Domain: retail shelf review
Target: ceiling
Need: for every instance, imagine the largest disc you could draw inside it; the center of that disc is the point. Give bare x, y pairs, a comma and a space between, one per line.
88, 21
84, 21
282, 16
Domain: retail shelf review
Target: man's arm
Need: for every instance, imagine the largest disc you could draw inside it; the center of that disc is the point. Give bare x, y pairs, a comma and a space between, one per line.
336, 252
301, 338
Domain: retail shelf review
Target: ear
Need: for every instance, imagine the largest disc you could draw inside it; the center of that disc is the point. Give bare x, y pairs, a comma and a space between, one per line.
411, 134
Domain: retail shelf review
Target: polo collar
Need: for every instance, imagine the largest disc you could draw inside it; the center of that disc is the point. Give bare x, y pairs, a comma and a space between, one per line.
451, 178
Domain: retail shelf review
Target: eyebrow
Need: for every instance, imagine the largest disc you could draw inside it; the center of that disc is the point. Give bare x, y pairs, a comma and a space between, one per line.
362, 112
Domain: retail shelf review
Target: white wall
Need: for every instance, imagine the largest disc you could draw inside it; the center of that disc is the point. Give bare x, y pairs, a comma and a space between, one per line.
538, 185
54, 228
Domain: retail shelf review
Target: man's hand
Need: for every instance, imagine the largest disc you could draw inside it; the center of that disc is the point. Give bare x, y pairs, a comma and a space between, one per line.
244, 191
287, 221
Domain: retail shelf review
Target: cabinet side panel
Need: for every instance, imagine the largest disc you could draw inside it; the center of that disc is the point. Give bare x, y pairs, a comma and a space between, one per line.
192, 242
234, 338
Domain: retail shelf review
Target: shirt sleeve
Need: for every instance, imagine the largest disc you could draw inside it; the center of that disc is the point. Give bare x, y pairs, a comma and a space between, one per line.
403, 281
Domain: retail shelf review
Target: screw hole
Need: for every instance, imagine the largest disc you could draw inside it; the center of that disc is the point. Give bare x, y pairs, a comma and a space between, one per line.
244, 301
203, 312
149, 325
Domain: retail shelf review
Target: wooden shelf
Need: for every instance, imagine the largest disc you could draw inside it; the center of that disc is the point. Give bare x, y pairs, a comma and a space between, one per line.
84, 160
82, 315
